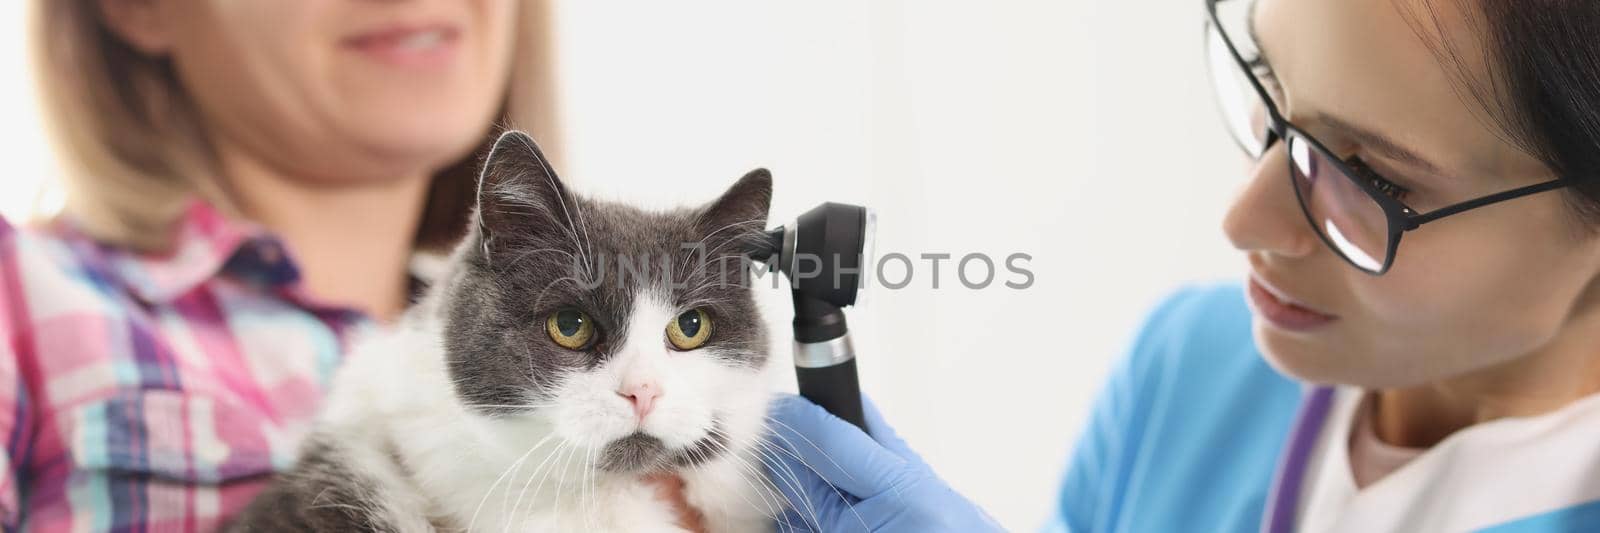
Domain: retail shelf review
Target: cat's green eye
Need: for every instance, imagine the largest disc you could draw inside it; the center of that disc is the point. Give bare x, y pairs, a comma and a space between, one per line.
690, 330
570, 328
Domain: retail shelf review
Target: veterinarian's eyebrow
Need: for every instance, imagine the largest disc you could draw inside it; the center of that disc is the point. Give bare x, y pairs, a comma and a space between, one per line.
1383, 145
1369, 138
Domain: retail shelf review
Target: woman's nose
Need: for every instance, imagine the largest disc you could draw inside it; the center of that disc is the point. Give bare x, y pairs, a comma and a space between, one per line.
1266, 216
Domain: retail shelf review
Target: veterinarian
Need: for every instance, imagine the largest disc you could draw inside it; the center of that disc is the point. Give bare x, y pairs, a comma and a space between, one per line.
1357, 380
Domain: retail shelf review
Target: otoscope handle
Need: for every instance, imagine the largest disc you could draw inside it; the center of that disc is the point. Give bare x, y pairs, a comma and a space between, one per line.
835, 388
824, 358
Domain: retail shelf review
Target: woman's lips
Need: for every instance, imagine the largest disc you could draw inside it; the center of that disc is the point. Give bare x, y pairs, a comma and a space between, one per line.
424, 46
1284, 311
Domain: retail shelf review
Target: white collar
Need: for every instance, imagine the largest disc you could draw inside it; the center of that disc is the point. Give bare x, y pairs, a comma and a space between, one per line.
1486, 474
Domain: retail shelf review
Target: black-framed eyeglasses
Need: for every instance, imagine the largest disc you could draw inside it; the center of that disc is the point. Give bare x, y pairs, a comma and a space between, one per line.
1354, 210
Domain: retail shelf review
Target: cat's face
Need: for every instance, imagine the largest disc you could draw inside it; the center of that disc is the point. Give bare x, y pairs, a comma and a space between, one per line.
630, 335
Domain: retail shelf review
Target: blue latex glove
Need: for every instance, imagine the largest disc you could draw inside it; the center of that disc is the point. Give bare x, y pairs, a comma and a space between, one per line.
838, 478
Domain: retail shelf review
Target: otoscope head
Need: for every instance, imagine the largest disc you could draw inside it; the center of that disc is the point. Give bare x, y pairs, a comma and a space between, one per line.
823, 252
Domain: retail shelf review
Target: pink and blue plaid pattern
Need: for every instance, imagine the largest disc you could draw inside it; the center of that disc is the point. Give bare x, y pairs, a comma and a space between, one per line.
154, 393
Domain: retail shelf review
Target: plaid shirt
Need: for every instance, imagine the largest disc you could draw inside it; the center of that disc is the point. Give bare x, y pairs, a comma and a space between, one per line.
154, 393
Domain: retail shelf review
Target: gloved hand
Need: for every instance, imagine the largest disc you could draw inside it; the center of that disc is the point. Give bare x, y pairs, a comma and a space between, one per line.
838, 478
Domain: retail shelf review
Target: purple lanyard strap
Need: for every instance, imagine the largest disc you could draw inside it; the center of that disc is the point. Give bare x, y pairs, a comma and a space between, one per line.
1285, 494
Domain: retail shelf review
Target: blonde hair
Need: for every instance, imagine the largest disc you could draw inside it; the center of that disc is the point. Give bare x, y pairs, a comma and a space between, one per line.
132, 152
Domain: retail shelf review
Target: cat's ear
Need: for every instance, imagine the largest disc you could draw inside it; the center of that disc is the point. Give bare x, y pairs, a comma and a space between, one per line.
519, 195
741, 211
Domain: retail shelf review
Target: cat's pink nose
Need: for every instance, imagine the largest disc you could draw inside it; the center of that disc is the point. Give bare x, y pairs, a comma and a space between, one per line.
643, 394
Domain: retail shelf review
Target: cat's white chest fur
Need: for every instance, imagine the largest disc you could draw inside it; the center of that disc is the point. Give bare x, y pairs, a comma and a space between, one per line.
437, 465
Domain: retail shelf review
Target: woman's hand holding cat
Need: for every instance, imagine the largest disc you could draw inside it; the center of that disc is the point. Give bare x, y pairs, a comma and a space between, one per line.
838, 478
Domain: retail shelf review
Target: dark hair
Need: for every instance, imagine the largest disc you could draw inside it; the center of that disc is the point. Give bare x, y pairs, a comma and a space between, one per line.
1542, 88
451, 197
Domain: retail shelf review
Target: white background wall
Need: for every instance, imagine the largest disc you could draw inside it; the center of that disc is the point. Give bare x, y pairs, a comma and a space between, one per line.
1080, 132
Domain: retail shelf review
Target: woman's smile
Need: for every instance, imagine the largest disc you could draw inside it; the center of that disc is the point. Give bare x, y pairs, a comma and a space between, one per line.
421, 46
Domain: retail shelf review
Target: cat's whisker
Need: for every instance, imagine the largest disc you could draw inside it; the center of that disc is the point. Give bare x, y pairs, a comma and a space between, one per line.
682, 275
508, 505
748, 238
561, 485
739, 462
790, 479
515, 466
704, 457
808, 441
708, 236
556, 509
767, 508
503, 211
825, 479
592, 478
588, 245
561, 199
582, 504
757, 482
710, 257
698, 291
525, 253
516, 198
540, 298
317, 502
539, 472
550, 177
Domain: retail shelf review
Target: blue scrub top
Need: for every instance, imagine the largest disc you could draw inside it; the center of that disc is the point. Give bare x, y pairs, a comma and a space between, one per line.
1186, 434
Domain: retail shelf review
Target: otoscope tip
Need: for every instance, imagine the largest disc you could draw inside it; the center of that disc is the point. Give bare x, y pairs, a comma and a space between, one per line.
771, 244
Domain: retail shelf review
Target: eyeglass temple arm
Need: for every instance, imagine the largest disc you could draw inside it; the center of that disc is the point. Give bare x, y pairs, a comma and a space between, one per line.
1442, 212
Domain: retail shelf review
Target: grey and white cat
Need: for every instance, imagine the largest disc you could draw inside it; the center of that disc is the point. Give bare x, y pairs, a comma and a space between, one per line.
536, 384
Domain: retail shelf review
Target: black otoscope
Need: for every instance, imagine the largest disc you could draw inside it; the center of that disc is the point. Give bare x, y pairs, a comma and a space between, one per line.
824, 253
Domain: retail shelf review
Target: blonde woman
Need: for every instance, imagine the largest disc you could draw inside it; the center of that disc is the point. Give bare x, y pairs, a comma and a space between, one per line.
247, 182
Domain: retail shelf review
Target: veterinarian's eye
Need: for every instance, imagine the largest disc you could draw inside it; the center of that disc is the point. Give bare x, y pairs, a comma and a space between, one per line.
690, 330
570, 328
